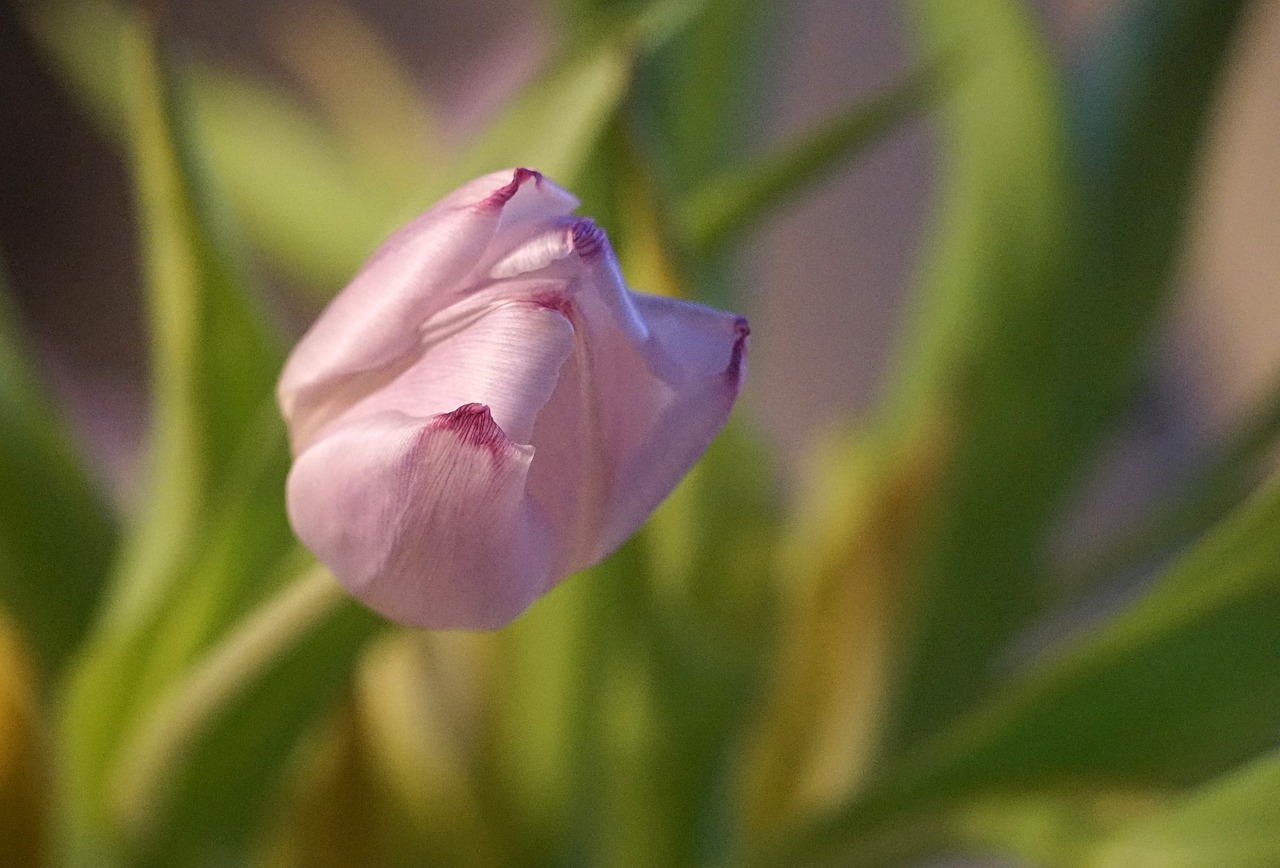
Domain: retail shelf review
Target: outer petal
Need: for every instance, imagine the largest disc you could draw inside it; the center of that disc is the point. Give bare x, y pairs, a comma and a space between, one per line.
700, 357
629, 418
421, 269
424, 522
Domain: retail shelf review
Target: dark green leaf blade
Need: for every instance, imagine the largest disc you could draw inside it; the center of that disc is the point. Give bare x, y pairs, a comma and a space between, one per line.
701, 90
215, 354
201, 768
1195, 505
1179, 688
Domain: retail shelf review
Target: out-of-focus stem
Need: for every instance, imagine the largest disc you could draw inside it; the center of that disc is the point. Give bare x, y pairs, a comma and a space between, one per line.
237, 661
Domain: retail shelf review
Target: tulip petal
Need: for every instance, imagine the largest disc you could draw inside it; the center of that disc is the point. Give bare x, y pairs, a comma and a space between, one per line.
507, 355
424, 522
708, 349
593, 246
629, 419
417, 272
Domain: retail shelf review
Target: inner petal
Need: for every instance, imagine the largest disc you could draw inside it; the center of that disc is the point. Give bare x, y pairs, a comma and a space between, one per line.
547, 244
509, 359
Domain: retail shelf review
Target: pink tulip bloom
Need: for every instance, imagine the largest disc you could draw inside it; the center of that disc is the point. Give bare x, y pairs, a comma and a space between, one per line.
488, 408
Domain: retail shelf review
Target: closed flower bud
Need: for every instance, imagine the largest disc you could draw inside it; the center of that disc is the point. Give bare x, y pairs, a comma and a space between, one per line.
488, 408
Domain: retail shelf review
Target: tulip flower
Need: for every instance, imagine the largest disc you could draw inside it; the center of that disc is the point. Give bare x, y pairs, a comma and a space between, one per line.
488, 408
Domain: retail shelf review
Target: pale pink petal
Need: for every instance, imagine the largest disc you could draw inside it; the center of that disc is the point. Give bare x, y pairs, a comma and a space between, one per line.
419, 271
507, 355
548, 247
628, 418
531, 247
425, 522
602, 271
709, 349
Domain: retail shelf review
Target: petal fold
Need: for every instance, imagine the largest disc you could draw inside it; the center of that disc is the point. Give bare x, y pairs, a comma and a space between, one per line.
508, 356
630, 418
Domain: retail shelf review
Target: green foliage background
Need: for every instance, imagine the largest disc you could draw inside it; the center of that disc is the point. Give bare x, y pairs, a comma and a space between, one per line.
752, 680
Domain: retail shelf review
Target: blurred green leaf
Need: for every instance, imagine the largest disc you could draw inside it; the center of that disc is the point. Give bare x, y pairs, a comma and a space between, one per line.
1041, 308
997, 254
200, 769
555, 121
699, 96
712, 541
1178, 688
702, 599
552, 124
25, 764
228, 570
1057, 828
56, 532
317, 207
363, 91
313, 208
1142, 105
212, 523
840, 569
1003, 197
707, 620
308, 202
691, 111
1233, 822
615, 698
615, 733
215, 356
719, 210
546, 748
83, 39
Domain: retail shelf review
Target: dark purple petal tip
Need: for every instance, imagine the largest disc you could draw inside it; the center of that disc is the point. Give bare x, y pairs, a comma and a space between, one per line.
734, 371
588, 239
474, 426
502, 195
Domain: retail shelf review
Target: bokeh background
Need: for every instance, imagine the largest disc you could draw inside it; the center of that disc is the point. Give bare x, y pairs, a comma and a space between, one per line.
825, 279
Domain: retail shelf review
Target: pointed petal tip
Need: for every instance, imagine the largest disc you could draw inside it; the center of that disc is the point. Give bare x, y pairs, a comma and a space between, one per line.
474, 426
735, 372
500, 197
587, 239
